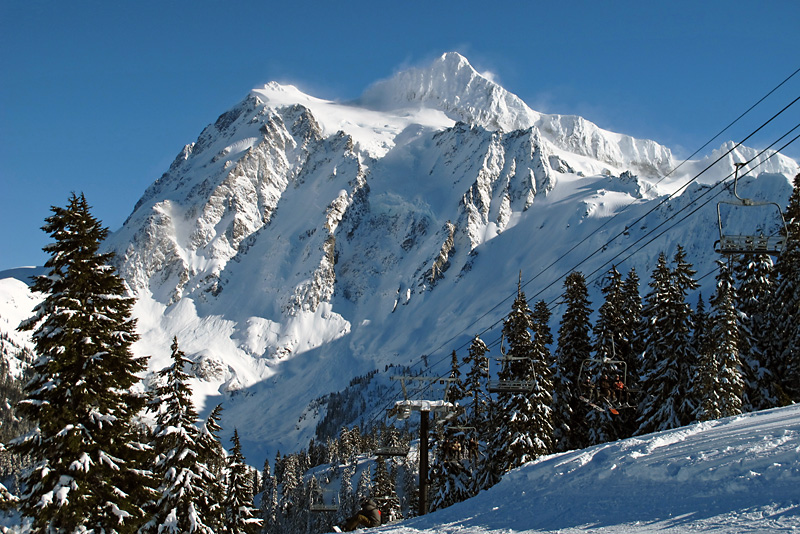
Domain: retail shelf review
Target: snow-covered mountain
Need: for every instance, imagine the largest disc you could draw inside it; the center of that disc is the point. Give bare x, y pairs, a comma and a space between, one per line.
300, 242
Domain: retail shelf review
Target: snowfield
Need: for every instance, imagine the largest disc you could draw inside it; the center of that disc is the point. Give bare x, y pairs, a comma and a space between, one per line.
740, 474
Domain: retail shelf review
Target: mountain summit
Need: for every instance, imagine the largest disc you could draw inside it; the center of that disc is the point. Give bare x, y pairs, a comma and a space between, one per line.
299, 243
453, 86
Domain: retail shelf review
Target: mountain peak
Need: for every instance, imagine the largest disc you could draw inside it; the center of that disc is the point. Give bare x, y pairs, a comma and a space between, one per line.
452, 85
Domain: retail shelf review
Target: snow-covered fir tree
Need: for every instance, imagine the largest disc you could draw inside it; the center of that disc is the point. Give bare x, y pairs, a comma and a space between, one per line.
291, 504
476, 412
183, 481
449, 476
753, 273
681, 331
629, 348
450, 473
541, 321
7, 499
523, 417
703, 385
347, 498
702, 380
211, 453
87, 461
784, 310
542, 395
724, 344
573, 347
455, 389
240, 515
364, 487
269, 501
668, 360
383, 489
607, 368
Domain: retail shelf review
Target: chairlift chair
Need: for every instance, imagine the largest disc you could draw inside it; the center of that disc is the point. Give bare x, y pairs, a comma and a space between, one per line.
392, 451
731, 242
319, 504
510, 386
611, 395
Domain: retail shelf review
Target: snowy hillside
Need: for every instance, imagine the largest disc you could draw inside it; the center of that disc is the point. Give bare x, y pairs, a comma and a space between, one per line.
16, 304
727, 476
300, 242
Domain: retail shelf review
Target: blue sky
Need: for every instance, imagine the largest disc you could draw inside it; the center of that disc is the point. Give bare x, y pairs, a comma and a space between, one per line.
98, 97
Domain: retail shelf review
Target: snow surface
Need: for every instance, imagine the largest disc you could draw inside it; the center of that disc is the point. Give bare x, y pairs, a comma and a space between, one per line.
740, 474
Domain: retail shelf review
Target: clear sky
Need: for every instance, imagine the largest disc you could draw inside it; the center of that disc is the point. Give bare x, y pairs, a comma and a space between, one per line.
99, 96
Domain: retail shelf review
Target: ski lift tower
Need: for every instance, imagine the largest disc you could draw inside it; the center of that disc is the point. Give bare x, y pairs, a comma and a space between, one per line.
402, 410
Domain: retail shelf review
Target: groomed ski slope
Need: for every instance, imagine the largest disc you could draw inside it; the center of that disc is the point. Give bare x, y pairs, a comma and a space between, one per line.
733, 475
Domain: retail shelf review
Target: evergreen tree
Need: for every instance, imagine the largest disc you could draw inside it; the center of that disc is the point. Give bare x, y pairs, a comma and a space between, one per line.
701, 333
609, 328
476, 413
701, 383
455, 389
269, 501
541, 321
450, 473
383, 489
755, 287
211, 454
630, 348
542, 394
668, 361
183, 481
87, 461
681, 332
291, 500
574, 346
449, 478
724, 342
394, 508
364, 488
382, 486
476, 401
784, 311
410, 485
347, 499
240, 515
609, 333
524, 419
704, 387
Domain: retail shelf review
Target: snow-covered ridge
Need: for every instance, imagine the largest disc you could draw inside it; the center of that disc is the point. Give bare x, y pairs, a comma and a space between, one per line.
453, 86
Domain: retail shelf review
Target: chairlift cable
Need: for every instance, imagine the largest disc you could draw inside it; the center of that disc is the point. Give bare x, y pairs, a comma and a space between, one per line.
708, 191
